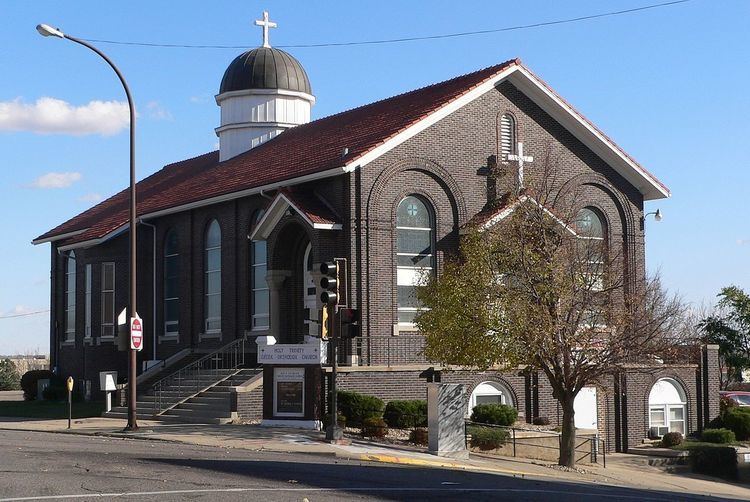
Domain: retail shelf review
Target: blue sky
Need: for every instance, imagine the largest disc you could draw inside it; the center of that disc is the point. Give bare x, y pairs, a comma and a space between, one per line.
669, 85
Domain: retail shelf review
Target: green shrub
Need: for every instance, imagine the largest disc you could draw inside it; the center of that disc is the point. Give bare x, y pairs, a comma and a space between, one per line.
9, 378
721, 436
671, 439
487, 438
495, 414
738, 421
717, 423
374, 428
419, 436
540, 421
29, 382
358, 407
726, 403
714, 460
406, 414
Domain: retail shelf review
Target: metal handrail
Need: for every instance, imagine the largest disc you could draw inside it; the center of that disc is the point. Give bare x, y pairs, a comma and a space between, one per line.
592, 451
197, 376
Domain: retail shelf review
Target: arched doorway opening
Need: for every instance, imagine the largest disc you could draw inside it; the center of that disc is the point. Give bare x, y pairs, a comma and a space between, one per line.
667, 408
490, 392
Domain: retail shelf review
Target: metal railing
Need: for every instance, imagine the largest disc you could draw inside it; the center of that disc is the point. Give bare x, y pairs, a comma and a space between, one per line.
586, 448
197, 376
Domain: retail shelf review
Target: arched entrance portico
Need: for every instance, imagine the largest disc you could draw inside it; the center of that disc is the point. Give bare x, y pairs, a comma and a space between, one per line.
292, 284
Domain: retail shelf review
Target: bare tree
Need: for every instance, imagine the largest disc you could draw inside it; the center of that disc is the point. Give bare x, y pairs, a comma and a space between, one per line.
540, 288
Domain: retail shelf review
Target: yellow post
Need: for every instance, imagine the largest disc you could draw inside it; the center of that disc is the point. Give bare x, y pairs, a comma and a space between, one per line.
70, 400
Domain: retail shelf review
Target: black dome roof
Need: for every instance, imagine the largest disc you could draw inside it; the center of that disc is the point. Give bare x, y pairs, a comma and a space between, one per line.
265, 68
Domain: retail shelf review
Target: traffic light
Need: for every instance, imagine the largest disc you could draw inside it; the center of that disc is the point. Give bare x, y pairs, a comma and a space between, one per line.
349, 323
329, 283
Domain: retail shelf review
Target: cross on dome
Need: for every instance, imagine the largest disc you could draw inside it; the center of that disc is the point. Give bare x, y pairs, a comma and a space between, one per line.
266, 24
521, 159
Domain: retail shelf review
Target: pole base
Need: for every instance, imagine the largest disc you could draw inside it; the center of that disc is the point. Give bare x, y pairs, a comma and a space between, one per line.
130, 428
334, 434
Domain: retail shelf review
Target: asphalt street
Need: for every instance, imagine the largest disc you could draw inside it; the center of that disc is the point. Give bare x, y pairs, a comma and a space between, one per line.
47, 466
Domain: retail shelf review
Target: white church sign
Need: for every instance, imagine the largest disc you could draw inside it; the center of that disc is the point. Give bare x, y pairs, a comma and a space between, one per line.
305, 353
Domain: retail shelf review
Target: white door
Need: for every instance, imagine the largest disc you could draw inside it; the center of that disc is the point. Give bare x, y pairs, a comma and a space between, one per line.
585, 408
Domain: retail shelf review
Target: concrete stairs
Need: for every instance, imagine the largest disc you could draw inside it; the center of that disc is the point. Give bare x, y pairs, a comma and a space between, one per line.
209, 401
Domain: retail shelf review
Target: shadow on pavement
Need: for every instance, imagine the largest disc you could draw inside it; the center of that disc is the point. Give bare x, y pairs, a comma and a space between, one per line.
413, 483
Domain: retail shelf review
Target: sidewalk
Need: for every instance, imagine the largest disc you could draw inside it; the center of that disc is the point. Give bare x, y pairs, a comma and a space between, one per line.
622, 470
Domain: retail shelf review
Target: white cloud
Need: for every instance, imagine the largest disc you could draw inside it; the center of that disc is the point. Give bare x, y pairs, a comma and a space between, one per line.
199, 100
157, 111
19, 310
55, 116
55, 180
90, 197
743, 242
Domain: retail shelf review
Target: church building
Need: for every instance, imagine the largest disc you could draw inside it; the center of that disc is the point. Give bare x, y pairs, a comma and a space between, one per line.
230, 245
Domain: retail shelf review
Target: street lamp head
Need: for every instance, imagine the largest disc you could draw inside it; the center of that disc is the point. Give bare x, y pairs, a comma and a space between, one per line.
46, 30
658, 216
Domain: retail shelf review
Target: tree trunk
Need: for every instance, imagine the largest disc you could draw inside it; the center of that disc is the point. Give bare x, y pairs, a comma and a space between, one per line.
568, 438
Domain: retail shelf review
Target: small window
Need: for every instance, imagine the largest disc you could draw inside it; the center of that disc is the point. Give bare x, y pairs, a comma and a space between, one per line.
70, 298
171, 284
415, 233
108, 300
507, 136
212, 285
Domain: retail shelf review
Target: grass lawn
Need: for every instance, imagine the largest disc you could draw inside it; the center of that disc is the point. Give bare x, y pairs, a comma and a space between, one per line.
49, 409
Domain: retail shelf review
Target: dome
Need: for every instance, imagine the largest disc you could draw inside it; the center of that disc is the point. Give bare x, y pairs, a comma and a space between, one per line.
265, 68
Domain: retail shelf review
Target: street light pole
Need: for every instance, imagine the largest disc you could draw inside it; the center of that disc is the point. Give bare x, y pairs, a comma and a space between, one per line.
47, 31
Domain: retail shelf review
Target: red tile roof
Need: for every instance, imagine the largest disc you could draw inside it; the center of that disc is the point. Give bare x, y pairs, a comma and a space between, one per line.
312, 206
307, 149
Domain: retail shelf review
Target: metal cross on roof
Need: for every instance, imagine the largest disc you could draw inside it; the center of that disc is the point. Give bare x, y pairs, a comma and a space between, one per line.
521, 159
266, 24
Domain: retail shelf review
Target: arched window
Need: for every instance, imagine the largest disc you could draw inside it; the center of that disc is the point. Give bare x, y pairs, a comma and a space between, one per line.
171, 284
310, 299
490, 393
591, 231
666, 408
212, 286
259, 293
70, 297
507, 136
415, 229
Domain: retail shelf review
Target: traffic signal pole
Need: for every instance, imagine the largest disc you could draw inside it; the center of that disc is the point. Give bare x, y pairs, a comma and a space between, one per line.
330, 283
334, 432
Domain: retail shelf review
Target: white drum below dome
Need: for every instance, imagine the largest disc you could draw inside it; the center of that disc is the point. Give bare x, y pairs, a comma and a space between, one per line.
250, 118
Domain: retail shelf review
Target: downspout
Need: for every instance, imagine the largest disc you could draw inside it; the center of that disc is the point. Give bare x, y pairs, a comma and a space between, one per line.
56, 325
153, 292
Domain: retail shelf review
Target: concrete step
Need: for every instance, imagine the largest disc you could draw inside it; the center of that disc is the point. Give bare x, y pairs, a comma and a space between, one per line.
209, 399
211, 414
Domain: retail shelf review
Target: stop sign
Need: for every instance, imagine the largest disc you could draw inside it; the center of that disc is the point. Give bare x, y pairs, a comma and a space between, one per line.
136, 333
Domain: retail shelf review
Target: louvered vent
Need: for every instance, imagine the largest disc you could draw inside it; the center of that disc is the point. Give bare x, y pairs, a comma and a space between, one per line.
507, 136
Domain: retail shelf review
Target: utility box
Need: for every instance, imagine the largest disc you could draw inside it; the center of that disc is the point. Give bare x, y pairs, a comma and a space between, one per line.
445, 420
108, 381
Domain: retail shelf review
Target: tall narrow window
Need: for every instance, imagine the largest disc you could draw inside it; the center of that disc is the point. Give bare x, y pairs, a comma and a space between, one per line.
70, 298
212, 286
108, 300
87, 306
507, 136
589, 226
415, 229
258, 257
171, 284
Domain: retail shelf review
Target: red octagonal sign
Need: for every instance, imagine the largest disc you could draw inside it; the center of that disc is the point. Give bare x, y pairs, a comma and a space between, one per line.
136, 333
